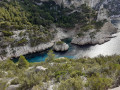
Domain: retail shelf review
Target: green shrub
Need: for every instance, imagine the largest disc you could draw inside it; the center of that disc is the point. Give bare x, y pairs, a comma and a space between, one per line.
76, 73
7, 65
87, 27
59, 73
98, 83
5, 25
80, 34
59, 42
29, 81
71, 84
7, 33
2, 85
21, 42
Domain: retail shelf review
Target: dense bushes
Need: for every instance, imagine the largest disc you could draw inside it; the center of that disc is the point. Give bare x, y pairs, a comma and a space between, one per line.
12, 15
39, 35
89, 73
7, 33
98, 83
71, 84
7, 65
20, 14
28, 81
2, 85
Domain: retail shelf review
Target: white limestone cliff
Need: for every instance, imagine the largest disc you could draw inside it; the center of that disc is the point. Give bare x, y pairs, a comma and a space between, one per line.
26, 49
102, 12
104, 35
22, 50
61, 47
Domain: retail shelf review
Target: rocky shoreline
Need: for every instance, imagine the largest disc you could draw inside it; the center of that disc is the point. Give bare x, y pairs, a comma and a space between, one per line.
23, 50
100, 37
104, 35
27, 49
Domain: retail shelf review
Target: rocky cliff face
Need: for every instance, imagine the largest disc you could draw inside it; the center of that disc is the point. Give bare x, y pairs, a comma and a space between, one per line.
93, 37
113, 6
102, 14
22, 50
25, 49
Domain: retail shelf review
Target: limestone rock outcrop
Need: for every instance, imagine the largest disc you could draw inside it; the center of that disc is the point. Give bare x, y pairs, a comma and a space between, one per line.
40, 68
61, 47
100, 37
22, 50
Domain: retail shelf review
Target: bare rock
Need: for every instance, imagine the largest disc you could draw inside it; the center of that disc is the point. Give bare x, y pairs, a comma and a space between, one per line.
40, 68
104, 35
60, 46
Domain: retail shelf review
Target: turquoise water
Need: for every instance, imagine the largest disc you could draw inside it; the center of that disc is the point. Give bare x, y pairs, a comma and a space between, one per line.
41, 56
109, 48
38, 57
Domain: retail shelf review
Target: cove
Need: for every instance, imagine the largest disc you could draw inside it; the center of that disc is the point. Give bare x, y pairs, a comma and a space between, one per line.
109, 48
41, 56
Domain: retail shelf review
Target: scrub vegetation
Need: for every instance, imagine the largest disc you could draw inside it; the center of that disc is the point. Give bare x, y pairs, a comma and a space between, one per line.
98, 73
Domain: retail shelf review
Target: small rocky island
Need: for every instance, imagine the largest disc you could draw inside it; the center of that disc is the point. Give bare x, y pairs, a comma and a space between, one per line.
60, 46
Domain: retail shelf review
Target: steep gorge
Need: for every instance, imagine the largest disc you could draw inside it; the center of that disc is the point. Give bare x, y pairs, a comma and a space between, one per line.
39, 35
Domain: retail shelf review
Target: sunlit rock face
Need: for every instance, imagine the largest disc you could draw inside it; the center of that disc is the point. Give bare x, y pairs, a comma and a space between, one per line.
61, 47
103, 14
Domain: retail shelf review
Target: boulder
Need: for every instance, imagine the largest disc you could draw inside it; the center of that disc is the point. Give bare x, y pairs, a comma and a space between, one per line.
60, 46
40, 68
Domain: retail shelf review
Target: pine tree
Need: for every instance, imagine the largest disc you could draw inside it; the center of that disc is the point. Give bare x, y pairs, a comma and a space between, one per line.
23, 63
51, 56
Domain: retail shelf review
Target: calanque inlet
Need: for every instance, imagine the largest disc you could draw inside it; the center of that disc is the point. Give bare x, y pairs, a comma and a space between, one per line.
59, 45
